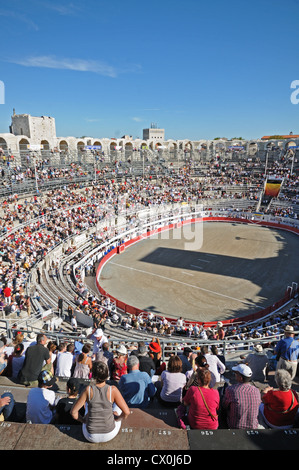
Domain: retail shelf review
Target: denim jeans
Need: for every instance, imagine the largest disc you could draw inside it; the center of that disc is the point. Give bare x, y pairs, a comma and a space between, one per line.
7, 409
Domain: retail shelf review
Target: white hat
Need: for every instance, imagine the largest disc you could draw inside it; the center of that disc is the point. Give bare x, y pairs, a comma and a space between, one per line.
259, 348
121, 349
289, 329
220, 324
243, 369
98, 333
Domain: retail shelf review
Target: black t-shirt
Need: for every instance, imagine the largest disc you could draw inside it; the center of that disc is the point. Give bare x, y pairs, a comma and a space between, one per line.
63, 408
35, 356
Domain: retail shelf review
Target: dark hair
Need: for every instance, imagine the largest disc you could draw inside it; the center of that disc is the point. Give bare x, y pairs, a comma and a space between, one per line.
100, 371
201, 361
19, 348
175, 364
85, 350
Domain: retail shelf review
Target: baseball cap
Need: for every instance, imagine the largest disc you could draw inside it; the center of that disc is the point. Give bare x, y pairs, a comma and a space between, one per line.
46, 378
243, 369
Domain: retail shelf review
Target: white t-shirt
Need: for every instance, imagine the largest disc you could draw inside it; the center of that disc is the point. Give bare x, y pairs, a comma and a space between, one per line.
173, 383
64, 364
38, 409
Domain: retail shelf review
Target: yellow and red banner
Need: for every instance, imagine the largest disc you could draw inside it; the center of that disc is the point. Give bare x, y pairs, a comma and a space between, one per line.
272, 187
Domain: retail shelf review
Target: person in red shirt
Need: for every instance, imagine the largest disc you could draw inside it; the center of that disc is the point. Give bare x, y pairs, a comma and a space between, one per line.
203, 403
7, 294
279, 408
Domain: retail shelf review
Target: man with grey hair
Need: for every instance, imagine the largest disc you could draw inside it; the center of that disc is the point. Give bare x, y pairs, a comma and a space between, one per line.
287, 351
136, 386
146, 363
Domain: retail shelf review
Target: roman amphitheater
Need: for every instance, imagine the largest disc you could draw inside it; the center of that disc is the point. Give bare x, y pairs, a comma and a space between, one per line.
147, 238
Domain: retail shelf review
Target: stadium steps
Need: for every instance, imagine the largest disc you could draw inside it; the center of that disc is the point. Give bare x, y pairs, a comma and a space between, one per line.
153, 429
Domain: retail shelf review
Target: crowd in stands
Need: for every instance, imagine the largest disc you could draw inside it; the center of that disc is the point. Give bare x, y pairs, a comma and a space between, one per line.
102, 385
192, 382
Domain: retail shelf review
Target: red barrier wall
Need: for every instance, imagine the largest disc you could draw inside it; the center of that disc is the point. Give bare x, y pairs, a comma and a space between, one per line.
136, 311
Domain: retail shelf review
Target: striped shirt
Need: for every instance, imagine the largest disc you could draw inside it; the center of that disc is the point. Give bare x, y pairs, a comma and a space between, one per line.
242, 403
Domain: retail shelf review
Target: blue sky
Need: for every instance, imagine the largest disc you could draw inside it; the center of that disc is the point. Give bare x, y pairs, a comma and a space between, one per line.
108, 68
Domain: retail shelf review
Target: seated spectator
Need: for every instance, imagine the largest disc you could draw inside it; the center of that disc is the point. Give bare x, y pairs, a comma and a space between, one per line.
105, 356
3, 361
185, 358
203, 402
15, 361
258, 362
37, 358
41, 401
64, 405
279, 408
119, 363
65, 361
146, 363
200, 362
241, 401
83, 363
155, 352
136, 387
7, 406
100, 424
172, 382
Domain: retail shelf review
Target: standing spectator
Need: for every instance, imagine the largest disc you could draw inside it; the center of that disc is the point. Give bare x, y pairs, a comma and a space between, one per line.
100, 424
287, 351
65, 362
203, 403
98, 340
7, 294
106, 356
35, 357
60, 305
216, 367
258, 362
136, 386
41, 401
241, 401
279, 408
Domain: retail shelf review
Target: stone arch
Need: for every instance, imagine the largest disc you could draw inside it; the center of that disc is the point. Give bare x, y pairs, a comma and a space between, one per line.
3, 146
24, 151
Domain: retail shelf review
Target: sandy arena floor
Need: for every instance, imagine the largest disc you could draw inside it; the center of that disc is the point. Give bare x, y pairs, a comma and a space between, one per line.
210, 271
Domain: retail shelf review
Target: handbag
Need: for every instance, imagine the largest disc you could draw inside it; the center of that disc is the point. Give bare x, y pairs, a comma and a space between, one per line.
208, 409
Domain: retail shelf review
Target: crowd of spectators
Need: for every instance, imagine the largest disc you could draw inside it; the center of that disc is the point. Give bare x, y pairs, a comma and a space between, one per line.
119, 373
192, 382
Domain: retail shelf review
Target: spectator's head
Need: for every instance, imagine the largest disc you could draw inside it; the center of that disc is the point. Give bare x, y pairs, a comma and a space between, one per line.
41, 339
289, 331
72, 386
204, 349
204, 377
46, 379
283, 380
175, 364
100, 371
142, 349
243, 373
187, 351
18, 349
200, 361
133, 363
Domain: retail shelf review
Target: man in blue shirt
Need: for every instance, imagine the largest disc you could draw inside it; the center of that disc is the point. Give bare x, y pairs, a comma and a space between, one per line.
287, 350
136, 387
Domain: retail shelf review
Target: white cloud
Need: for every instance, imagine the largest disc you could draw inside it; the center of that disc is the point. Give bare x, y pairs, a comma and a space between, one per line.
80, 65
137, 119
20, 17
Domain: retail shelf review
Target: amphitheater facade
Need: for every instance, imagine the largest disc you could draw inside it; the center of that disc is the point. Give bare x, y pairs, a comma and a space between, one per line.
30, 135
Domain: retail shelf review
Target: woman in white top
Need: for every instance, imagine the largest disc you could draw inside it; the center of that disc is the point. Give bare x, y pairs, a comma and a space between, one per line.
172, 383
